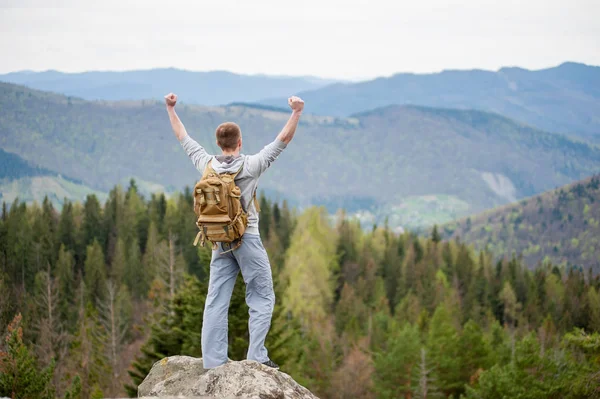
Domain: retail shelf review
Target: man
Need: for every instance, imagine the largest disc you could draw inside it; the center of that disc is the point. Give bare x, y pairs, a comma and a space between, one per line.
250, 257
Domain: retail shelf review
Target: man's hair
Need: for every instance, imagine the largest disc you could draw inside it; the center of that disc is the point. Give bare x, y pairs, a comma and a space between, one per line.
228, 135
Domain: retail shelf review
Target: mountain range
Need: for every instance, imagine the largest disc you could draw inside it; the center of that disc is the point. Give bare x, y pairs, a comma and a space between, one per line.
380, 162
207, 88
561, 225
563, 99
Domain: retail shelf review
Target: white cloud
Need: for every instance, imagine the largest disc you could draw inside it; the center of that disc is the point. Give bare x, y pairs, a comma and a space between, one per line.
342, 39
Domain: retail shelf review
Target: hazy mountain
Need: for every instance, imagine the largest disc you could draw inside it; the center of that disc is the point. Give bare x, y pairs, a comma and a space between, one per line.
207, 88
562, 225
562, 99
383, 161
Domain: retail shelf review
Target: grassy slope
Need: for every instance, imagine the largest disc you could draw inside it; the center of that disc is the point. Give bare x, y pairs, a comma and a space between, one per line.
374, 159
562, 225
56, 188
13, 166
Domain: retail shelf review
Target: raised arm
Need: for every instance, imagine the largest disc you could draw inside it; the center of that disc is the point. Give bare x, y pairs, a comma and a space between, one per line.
287, 133
178, 128
260, 162
195, 151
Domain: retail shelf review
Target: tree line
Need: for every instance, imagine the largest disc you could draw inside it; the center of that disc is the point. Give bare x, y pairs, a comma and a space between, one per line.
98, 292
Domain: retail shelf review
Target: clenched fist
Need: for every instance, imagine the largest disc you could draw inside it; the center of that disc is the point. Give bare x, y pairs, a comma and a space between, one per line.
171, 99
296, 103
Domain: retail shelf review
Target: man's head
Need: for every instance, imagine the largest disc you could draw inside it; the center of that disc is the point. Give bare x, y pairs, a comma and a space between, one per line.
229, 136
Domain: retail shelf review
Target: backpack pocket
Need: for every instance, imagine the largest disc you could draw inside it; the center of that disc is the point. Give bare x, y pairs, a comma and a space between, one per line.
218, 232
239, 224
210, 198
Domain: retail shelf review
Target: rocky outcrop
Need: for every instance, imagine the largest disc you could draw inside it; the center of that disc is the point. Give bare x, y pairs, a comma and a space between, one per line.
184, 376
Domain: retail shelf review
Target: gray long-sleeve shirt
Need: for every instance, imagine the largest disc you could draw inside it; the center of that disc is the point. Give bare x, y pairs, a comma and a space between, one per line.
247, 180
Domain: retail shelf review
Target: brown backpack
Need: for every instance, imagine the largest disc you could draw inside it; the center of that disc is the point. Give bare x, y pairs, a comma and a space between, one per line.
217, 204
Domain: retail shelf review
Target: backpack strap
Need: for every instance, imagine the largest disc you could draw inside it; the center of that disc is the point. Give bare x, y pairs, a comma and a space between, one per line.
256, 204
208, 169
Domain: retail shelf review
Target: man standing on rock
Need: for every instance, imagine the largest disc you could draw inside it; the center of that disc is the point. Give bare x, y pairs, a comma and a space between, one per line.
250, 257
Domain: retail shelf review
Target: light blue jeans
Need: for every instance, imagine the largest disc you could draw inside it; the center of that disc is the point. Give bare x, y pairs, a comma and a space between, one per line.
251, 258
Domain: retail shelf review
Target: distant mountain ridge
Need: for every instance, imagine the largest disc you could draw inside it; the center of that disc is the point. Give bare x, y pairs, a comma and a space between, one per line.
383, 160
563, 99
206, 88
561, 225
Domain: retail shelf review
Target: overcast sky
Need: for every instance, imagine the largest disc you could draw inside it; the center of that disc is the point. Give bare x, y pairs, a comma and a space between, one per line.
328, 38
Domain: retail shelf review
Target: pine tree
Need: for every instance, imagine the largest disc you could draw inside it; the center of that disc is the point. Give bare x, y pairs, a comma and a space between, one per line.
134, 275
265, 217
464, 268
530, 375
547, 335
238, 334
476, 298
87, 357
283, 340
555, 292
19, 246
511, 306
49, 241
66, 227
408, 275
115, 329
593, 300
43, 236
112, 219
20, 376
135, 220
443, 345
473, 352
351, 314
154, 255
396, 363
92, 226
118, 262
95, 273
157, 208
66, 287
435, 235
425, 381
409, 309
391, 269
587, 381
51, 342
285, 222
174, 327
189, 303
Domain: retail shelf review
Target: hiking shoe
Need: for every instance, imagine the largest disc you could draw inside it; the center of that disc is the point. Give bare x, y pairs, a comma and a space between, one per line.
270, 363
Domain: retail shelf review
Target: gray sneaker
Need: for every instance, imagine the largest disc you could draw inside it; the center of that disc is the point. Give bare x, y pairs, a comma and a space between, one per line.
272, 364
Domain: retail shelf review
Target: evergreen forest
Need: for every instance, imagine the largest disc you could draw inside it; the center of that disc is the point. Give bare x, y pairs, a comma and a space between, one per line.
93, 295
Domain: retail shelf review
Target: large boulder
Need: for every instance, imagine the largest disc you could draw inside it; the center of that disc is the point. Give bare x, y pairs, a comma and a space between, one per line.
184, 376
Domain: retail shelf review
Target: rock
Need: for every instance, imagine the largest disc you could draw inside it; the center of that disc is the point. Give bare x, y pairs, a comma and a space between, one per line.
185, 376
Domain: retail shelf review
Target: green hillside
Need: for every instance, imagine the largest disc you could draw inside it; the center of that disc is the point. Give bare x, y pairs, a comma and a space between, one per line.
562, 225
28, 182
377, 162
13, 166
56, 188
